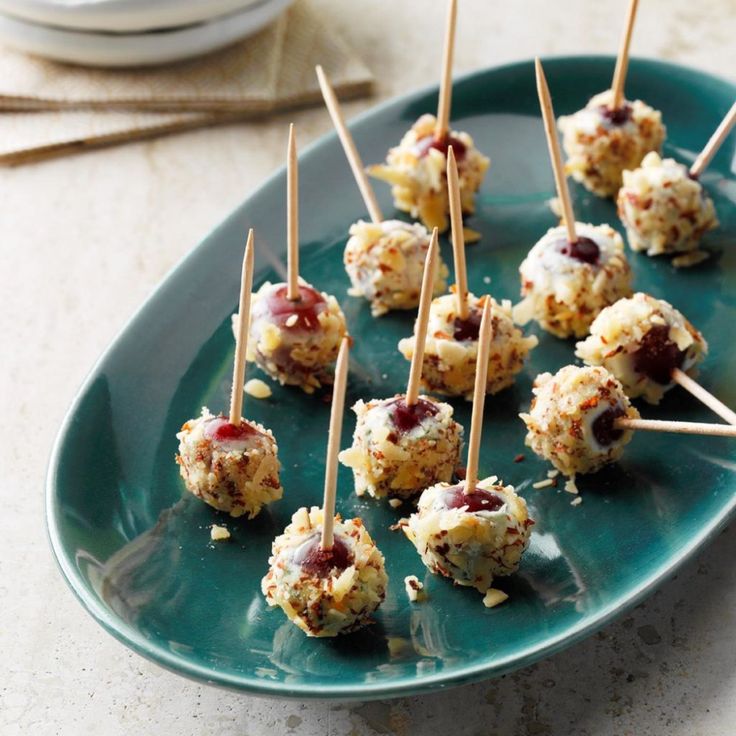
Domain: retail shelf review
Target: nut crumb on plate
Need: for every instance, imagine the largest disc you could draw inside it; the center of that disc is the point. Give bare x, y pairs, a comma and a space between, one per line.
414, 589
257, 389
494, 597
688, 260
219, 533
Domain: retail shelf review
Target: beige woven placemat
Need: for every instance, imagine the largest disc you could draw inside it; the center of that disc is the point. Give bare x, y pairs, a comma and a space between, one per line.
49, 109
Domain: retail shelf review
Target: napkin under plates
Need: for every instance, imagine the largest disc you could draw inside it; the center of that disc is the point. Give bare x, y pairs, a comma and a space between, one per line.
49, 109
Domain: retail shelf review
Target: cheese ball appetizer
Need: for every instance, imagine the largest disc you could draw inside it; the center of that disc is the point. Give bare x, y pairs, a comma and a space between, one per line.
663, 208
565, 285
641, 340
452, 347
385, 263
295, 342
600, 142
398, 450
232, 468
572, 417
325, 592
416, 169
470, 538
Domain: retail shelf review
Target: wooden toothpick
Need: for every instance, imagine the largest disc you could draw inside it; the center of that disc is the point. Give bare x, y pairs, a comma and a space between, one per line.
333, 444
703, 395
656, 425
348, 145
442, 128
712, 146
548, 116
458, 236
292, 217
479, 396
622, 62
241, 337
420, 326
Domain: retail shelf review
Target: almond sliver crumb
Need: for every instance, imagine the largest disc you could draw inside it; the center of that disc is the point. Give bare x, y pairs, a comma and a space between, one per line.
257, 388
414, 589
543, 483
219, 533
494, 597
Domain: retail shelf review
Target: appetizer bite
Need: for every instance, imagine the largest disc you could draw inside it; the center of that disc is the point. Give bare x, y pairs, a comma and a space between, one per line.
383, 258
610, 133
643, 341
326, 574
416, 167
576, 269
566, 282
451, 345
295, 330
403, 444
663, 205
571, 421
384, 262
581, 419
230, 463
475, 530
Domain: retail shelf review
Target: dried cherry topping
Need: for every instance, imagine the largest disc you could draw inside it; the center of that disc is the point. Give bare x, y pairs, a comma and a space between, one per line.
317, 561
604, 426
479, 500
406, 417
658, 356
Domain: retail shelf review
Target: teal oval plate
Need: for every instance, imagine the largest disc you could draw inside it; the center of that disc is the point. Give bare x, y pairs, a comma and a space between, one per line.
135, 547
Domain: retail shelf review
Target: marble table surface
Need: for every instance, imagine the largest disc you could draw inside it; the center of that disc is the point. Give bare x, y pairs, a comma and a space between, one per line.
84, 239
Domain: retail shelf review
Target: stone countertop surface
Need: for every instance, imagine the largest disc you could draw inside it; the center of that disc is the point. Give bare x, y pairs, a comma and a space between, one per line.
84, 239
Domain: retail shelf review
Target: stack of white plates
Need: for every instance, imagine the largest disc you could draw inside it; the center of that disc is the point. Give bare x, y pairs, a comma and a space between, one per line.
130, 32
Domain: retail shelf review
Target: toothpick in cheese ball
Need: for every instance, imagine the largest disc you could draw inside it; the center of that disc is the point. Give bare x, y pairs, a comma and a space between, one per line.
383, 258
581, 420
228, 462
650, 347
451, 346
475, 530
576, 269
403, 444
416, 167
663, 205
611, 134
295, 330
326, 574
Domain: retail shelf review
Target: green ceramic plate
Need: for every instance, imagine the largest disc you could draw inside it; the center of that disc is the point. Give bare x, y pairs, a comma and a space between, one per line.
135, 547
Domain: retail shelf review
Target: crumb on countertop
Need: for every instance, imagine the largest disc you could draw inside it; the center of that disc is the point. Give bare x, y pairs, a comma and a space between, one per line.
576, 501
257, 388
546, 483
414, 589
394, 503
494, 597
519, 458
219, 533
570, 485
